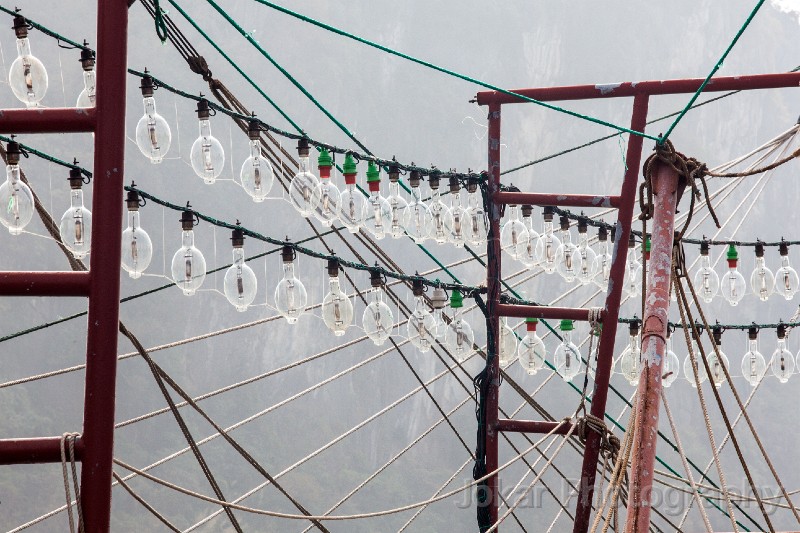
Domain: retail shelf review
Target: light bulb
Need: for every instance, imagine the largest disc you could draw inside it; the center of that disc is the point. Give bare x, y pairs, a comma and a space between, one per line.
377, 211
337, 309
153, 136
527, 250
672, 365
706, 280
76, 223
753, 365
633, 271
16, 198
88, 94
27, 75
137, 248
327, 210
688, 367
566, 253
458, 231
586, 257
291, 298
188, 263
715, 363
631, 357
548, 243
782, 359
257, 174
399, 215
514, 234
240, 283
508, 343
420, 218
378, 320
441, 216
602, 260
732, 283
421, 326
762, 280
786, 281
351, 201
476, 224
459, 338
438, 301
207, 155
567, 357
531, 351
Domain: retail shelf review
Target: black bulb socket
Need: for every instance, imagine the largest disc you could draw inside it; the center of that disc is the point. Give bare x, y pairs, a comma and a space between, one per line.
75, 179
784, 248
13, 151
564, 222
759, 249
333, 267
716, 332
455, 186
602, 234
254, 130
237, 237
132, 200
394, 171
752, 333
20, 26
287, 253
203, 109
547, 212
583, 225
375, 278
187, 220
417, 288
433, 180
87, 59
527, 209
414, 178
781, 330
704, 247
148, 86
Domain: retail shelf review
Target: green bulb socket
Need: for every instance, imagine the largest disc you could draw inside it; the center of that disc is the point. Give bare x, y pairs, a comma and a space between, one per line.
732, 255
530, 320
324, 159
456, 300
349, 166
647, 245
567, 325
373, 173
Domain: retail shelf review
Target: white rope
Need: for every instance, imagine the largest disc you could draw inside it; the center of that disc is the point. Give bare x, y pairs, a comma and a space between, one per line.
68, 441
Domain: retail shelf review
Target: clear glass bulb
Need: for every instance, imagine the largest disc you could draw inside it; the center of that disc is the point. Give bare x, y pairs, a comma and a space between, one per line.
633, 274
400, 215
377, 214
458, 230
329, 197
630, 360
153, 136
546, 247
421, 326
76, 226
441, 218
688, 368
753, 364
527, 250
566, 256
291, 298
476, 223
16, 202
240, 283
514, 234
459, 337
782, 361
715, 364
352, 205
762, 280
508, 343
88, 94
706, 280
586, 260
531, 352
420, 219
786, 281
137, 248
602, 266
378, 319
337, 309
188, 265
672, 365
733, 285
257, 174
567, 357
27, 75
207, 155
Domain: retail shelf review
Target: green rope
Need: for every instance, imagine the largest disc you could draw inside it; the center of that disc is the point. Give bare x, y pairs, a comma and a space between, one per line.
48, 157
450, 72
161, 26
45, 30
714, 70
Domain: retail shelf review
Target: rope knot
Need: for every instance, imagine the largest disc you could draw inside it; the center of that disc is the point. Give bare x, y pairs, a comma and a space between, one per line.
609, 443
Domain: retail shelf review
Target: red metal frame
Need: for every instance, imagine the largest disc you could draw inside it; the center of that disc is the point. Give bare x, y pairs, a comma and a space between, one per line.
101, 284
641, 92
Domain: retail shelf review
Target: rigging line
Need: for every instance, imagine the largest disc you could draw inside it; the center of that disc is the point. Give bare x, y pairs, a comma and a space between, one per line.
435, 494
144, 503
448, 72
373, 514
733, 495
714, 70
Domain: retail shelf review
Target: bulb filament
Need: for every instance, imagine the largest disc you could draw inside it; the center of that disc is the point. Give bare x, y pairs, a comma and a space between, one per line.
134, 253
26, 66
78, 217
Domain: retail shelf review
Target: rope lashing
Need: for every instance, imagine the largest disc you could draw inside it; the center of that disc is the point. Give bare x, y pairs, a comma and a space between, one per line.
67, 442
595, 316
609, 443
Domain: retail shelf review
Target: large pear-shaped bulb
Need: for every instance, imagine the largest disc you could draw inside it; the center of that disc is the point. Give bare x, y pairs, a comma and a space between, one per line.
257, 174
567, 253
420, 219
753, 364
786, 280
27, 75
630, 360
441, 216
514, 235
76, 224
89, 93
207, 156
602, 261
377, 213
291, 298
16, 201
153, 136
762, 280
421, 326
531, 350
400, 215
240, 283
547, 244
137, 248
672, 365
586, 258
706, 281
378, 319
188, 265
783, 362
476, 221
567, 357
508, 344
689, 368
459, 337
337, 309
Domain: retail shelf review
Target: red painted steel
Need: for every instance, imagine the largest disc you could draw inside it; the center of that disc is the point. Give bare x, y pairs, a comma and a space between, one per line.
44, 283
606, 346
535, 311
651, 88
533, 426
53, 120
654, 334
565, 200
101, 349
36, 450
493, 274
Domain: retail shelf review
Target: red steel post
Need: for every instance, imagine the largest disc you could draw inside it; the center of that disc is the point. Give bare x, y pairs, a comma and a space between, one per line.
53, 120
493, 275
606, 346
35, 450
543, 312
534, 426
103, 320
654, 334
44, 283
561, 200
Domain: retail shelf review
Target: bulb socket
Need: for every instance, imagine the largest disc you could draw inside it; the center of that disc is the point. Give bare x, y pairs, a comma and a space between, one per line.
613, 233
375, 278
187, 220
253, 130
333, 267
752, 333
438, 298
237, 237
394, 171
583, 225
414, 178
288, 253
759, 249
602, 234
564, 222
631, 241
87, 59
704, 247
13, 151
417, 288
132, 200
75, 179
472, 185
633, 328
20, 26
547, 213
148, 86
433, 180
783, 247
527, 210
303, 148
716, 332
781, 330
455, 186
203, 109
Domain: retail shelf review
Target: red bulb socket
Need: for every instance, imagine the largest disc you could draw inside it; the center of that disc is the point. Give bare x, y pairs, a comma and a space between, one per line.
324, 172
374, 186
732, 263
530, 326
350, 179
